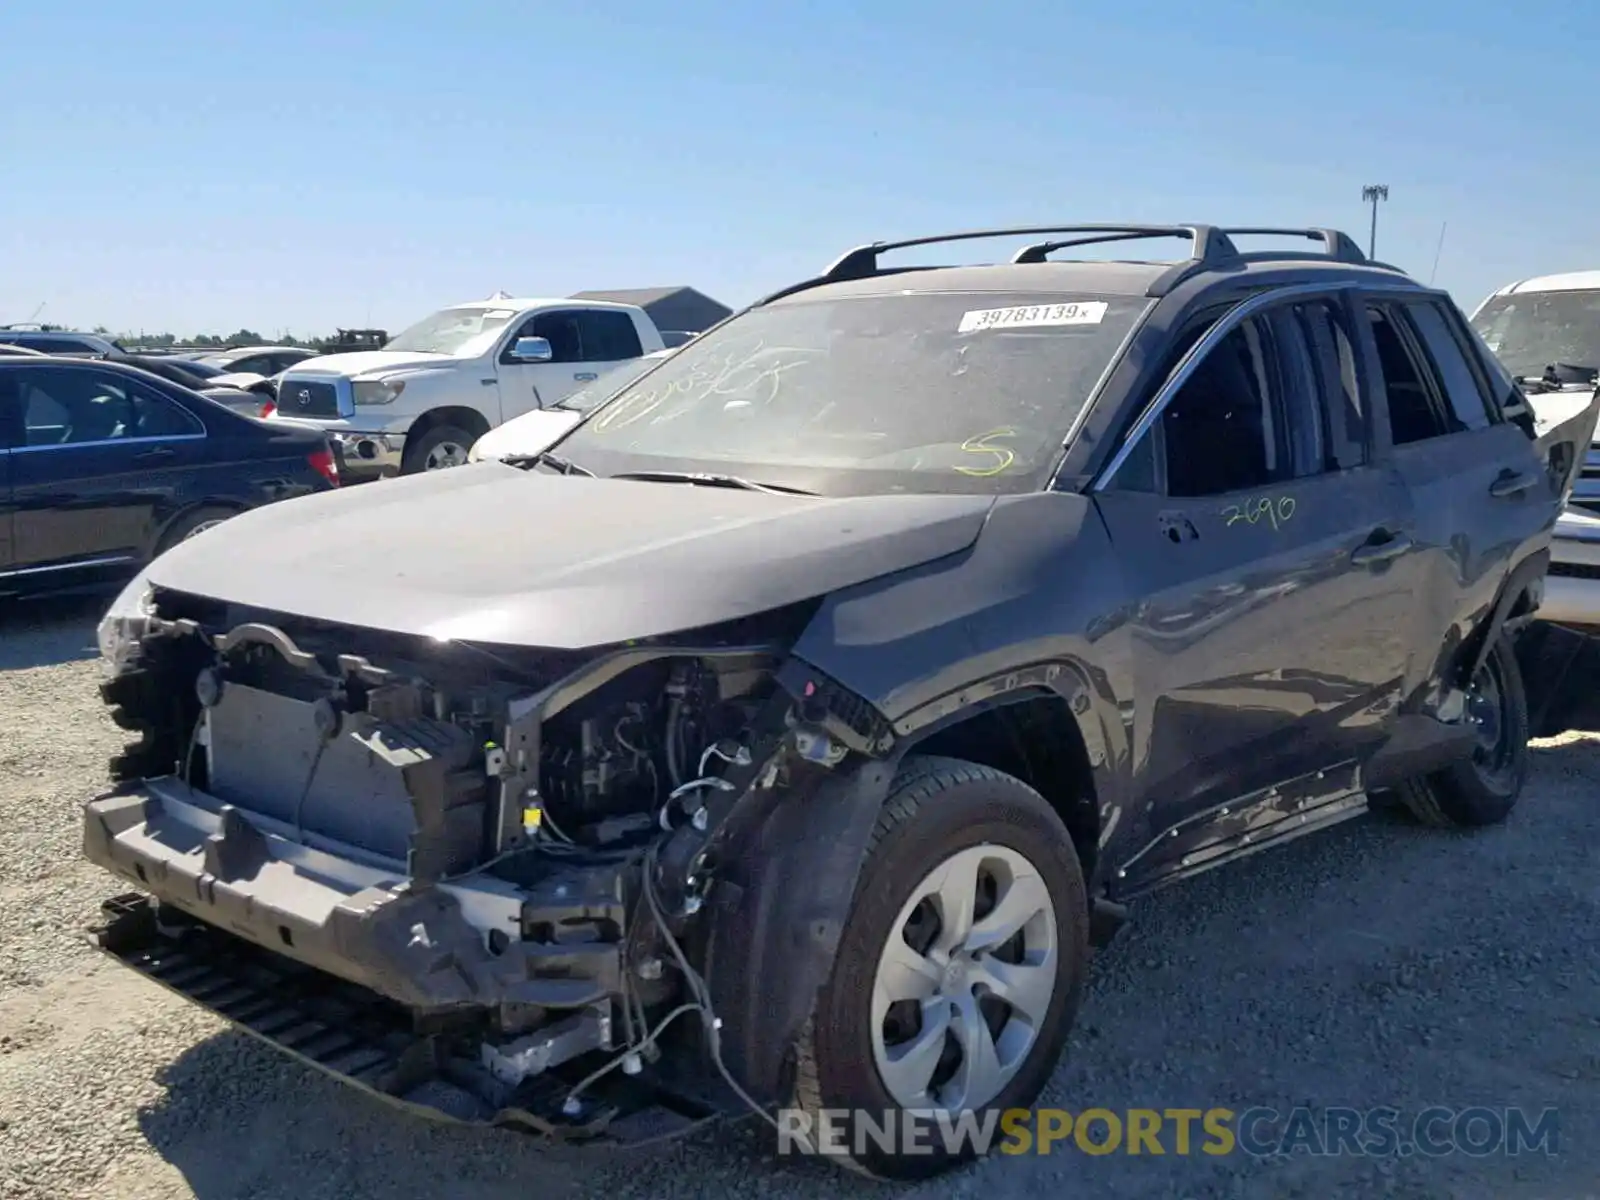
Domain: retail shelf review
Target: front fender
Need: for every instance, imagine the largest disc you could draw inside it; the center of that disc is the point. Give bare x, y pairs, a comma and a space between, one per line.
777, 915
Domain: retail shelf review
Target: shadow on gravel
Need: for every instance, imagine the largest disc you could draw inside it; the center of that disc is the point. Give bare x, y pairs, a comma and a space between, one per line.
1378, 963
47, 632
240, 1120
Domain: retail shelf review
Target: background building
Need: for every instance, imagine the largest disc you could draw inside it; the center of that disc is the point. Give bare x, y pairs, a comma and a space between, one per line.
677, 311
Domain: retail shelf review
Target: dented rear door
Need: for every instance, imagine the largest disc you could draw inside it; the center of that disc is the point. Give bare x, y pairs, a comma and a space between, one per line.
1483, 495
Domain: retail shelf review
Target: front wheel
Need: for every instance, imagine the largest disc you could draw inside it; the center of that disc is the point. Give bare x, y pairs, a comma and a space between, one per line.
957, 979
437, 448
1484, 789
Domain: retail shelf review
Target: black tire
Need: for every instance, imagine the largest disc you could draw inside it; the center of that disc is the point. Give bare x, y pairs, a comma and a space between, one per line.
1558, 667
190, 524
935, 808
1484, 790
420, 449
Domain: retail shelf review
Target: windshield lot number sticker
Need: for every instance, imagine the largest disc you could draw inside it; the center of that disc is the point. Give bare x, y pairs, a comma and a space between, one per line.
1033, 316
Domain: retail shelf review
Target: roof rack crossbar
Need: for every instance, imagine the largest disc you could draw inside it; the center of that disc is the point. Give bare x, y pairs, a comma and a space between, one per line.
1040, 251
1340, 246
1208, 243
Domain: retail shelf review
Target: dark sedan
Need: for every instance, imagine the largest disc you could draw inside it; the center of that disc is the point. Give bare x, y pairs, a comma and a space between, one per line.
103, 466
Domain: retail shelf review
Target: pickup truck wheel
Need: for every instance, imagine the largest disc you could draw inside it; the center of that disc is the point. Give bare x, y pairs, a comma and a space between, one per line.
439, 447
958, 973
1484, 790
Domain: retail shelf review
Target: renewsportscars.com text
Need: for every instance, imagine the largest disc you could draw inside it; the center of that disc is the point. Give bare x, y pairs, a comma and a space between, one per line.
1259, 1132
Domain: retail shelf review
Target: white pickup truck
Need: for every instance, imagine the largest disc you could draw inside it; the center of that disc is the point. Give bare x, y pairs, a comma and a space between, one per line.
421, 402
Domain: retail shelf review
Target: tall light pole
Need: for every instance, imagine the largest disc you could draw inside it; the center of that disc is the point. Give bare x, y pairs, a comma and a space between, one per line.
1371, 194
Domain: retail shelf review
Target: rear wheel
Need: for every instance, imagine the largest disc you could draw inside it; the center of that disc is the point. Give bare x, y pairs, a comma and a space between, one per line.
192, 524
1483, 790
437, 448
958, 974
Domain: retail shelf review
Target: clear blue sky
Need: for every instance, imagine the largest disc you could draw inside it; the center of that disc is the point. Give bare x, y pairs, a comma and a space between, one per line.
293, 165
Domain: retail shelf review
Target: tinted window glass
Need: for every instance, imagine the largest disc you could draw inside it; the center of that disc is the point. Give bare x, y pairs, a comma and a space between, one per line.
1460, 382
1303, 411
1333, 357
1227, 428
562, 331
10, 411
1413, 416
609, 337
68, 407
51, 344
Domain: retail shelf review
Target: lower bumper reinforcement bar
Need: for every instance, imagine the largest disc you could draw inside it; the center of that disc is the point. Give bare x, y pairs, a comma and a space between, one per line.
365, 1040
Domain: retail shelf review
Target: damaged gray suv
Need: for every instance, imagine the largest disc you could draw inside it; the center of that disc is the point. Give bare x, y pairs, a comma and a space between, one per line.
785, 736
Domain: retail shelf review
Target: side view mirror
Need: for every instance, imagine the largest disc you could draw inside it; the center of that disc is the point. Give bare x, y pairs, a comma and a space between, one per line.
532, 349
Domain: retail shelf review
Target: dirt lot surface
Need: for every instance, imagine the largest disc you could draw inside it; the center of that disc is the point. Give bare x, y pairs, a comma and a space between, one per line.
1376, 964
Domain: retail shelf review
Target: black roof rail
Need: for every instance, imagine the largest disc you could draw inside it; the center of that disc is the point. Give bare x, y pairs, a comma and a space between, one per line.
1340, 246
1210, 245
862, 262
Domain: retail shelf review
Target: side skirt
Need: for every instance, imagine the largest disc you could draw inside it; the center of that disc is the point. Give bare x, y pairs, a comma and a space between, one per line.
1241, 827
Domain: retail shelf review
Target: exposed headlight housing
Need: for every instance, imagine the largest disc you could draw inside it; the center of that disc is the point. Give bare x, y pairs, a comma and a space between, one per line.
125, 622
376, 391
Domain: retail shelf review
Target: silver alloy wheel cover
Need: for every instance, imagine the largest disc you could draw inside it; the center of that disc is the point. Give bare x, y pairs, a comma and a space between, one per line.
445, 454
957, 969
201, 528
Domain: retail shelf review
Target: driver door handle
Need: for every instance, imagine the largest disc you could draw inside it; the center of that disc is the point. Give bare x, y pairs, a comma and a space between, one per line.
1510, 483
1382, 546
585, 376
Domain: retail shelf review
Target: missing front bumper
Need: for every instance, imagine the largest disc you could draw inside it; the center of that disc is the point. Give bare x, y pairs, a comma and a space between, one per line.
369, 1042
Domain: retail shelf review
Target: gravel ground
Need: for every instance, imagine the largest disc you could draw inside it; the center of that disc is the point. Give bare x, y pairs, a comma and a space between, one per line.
1375, 964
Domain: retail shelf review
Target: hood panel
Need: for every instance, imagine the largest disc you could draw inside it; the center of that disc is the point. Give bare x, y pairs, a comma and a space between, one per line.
363, 362
527, 434
497, 554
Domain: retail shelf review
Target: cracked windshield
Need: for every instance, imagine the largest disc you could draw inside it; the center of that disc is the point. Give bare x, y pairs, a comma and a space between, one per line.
1534, 331
933, 392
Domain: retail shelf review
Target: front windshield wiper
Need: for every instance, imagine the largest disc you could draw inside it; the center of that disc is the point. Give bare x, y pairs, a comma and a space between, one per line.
708, 479
565, 465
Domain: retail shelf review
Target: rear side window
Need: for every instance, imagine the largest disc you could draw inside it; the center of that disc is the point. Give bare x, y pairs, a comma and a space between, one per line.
67, 346
1414, 415
1463, 390
69, 407
609, 337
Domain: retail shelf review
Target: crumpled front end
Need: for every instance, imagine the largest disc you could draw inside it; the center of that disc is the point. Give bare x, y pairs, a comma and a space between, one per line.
470, 879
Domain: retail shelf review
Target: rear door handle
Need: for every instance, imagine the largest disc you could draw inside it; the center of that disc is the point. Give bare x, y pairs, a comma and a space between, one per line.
1510, 483
585, 376
158, 452
1376, 552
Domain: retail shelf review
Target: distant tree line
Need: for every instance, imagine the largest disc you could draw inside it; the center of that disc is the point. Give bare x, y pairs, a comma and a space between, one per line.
239, 337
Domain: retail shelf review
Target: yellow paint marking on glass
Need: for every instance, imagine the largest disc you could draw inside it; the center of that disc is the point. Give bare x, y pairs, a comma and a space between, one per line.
1274, 511
979, 445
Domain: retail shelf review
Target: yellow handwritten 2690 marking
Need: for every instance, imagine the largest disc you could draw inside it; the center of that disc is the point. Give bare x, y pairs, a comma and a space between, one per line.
1265, 508
1004, 457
